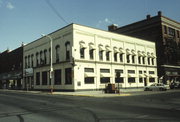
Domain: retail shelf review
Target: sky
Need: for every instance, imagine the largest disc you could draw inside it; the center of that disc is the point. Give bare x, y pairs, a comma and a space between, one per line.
23, 21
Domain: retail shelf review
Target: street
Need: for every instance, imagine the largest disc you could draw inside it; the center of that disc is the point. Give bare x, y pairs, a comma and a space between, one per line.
27, 107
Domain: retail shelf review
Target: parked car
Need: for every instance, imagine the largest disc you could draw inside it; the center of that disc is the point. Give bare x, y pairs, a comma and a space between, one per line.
155, 87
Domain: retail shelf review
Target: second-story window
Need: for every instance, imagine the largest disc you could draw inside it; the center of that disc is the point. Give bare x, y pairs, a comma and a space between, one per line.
25, 61
128, 58
133, 59
57, 53
45, 56
41, 58
91, 54
37, 59
82, 52
67, 44
121, 57
28, 61
100, 54
165, 29
32, 60
171, 31
107, 55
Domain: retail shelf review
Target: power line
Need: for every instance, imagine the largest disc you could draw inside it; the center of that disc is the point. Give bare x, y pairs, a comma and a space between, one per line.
55, 11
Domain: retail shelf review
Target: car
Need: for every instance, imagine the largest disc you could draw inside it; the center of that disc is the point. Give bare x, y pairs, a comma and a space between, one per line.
155, 87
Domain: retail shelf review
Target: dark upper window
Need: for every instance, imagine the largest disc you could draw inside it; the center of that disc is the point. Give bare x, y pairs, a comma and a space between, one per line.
139, 59
28, 61
178, 35
121, 57
107, 55
171, 31
143, 60
128, 58
82, 54
165, 29
37, 59
32, 60
115, 56
57, 53
45, 56
67, 44
148, 60
133, 59
101, 55
41, 59
131, 71
91, 54
25, 61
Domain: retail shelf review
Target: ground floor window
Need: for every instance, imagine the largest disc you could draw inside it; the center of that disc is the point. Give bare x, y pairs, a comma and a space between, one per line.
119, 80
57, 77
44, 78
140, 80
105, 79
68, 76
89, 80
151, 79
131, 80
38, 78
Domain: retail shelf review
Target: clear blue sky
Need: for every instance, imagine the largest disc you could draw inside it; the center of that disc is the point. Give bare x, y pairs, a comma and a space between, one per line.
25, 20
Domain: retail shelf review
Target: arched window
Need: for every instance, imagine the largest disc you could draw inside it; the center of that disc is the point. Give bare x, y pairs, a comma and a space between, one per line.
45, 56
67, 44
57, 53
37, 59
41, 59
32, 60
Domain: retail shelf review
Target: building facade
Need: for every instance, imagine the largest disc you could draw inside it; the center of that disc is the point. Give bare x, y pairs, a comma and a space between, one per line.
85, 58
11, 66
165, 33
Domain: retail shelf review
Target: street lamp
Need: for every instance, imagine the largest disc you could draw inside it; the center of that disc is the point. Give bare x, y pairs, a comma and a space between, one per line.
51, 61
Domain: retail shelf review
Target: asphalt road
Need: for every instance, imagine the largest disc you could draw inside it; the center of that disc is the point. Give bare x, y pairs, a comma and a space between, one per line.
27, 107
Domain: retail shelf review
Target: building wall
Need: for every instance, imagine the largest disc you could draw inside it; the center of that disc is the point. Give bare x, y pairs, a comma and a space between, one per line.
83, 69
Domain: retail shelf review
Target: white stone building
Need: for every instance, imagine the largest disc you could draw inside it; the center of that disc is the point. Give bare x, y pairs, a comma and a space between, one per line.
86, 58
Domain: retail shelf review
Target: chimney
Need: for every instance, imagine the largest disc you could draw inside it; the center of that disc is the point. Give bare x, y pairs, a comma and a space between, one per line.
159, 13
112, 27
148, 16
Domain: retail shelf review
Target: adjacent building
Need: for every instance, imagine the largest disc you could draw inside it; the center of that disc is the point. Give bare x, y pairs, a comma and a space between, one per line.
11, 66
165, 32
85, 58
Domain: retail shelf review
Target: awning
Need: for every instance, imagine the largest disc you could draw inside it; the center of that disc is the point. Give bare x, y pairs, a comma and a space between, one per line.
140, 53
116, 50
128, 52
141, 75
89, 75
105, 75
82, 44
101, 48
121, 51
132, 75
152, 76
133, 52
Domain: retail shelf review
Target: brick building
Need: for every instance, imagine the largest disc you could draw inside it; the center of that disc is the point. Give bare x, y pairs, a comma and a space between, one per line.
11, 68
165, 32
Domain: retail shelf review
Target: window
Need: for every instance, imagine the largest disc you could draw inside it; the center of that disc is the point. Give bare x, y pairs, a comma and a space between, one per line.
171, 31
32, 60
118, 78
115, 56
105, 70
148, 60
128, 58
133, 59
131, 71
121, 57
25, 61
45, 56
107, 55
37, 78
88, 69
49, 55
151, 72
91, 54
178, 35
82, 50
140, 71
165, 29
131, 80
143, 60
57, 77
139, 59
44, 78
28, 61
152, 60
141, 80
67, 50
68, 76
57, 53
37, 59
89, 80
41, 59
105, 79
151, 80
101, 55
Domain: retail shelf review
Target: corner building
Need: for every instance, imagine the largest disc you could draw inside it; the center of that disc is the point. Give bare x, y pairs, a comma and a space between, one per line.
85, 58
